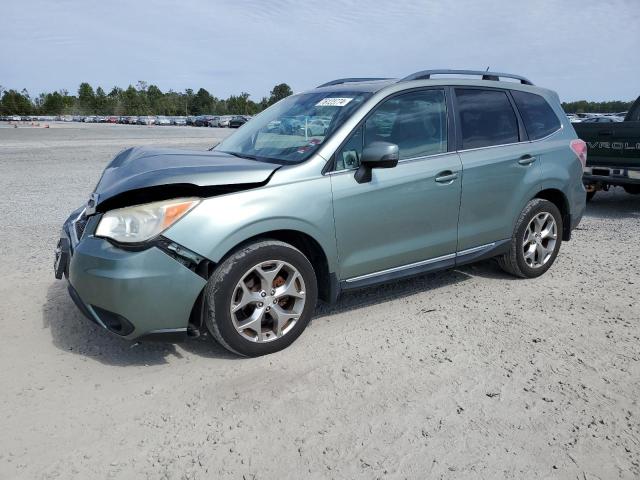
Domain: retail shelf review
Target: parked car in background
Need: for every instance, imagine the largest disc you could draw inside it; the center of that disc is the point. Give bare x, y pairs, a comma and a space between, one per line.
202, 120
614, 152
162, 120
603, 119
190, 119
146, 120
237, 121
223, 122
414, 175
214, 121
180, 121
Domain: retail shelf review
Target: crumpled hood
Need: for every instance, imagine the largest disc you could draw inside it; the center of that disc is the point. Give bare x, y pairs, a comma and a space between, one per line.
149, 168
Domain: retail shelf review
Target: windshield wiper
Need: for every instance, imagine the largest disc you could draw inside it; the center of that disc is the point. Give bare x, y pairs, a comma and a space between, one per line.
256, 158
241, 155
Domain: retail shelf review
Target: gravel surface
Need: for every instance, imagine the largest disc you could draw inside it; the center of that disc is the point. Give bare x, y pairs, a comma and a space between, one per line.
461, 374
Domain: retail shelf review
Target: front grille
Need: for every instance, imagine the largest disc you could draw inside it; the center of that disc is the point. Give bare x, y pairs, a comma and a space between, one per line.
80, 225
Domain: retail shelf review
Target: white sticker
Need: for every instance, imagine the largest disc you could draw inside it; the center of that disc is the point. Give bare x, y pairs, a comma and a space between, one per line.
333, 102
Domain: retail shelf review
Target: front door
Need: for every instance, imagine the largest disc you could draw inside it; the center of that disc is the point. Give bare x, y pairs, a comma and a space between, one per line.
407, 214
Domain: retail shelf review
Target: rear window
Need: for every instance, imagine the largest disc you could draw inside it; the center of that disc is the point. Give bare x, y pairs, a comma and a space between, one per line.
486, 118
539, 118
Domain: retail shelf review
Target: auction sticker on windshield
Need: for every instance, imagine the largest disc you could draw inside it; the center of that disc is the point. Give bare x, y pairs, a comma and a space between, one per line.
333, 102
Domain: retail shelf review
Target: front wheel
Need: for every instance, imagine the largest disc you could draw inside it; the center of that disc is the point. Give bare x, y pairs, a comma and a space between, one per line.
536, 240
261, 298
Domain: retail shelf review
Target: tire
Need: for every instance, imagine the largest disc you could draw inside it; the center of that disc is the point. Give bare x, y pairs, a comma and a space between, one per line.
632, 189
250, 265
514, 261
590, 195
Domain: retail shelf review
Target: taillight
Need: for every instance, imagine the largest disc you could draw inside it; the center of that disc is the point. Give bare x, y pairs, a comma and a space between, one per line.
579, 147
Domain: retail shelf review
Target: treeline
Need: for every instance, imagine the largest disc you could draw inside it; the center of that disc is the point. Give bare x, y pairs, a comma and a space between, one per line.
582, 106
143, 99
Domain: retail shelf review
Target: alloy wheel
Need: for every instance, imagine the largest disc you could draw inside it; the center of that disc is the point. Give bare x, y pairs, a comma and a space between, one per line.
268, 301
539, 240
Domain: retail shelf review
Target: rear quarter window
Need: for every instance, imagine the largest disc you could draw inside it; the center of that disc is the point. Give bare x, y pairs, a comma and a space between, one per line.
539, 118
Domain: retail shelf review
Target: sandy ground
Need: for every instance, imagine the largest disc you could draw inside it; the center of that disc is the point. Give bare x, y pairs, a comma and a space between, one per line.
462, 374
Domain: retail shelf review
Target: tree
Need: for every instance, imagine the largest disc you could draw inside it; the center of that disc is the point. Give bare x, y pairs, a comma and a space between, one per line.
86, 98
135, 102
202, 103
240, 104
280, 91
101, 103
15, 103
52, 103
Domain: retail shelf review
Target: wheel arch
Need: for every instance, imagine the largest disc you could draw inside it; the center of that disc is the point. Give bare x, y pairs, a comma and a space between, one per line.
560, 200
310, 247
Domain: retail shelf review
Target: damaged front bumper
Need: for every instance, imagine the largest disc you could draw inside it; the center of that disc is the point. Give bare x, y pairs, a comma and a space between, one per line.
142, 293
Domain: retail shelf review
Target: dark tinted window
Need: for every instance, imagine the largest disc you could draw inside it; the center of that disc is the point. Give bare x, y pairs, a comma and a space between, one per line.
486, 118
538, 116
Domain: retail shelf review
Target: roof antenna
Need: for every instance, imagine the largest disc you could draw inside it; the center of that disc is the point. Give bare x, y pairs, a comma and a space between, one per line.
487, 69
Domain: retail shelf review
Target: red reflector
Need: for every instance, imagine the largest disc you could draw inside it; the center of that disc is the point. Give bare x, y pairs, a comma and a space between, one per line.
580, 149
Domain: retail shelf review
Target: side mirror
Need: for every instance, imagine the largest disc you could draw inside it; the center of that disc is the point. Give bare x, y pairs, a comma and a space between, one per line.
376, 155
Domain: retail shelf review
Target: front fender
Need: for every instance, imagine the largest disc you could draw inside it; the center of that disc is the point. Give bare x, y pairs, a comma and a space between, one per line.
219, 224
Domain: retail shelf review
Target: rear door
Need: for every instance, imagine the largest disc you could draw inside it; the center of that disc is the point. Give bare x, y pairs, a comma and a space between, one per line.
500, 167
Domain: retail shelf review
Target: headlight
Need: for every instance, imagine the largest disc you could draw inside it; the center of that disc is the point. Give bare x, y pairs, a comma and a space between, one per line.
142, 222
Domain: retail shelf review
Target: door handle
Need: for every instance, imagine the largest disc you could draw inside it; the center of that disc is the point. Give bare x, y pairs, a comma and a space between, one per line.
527, 159
446, 177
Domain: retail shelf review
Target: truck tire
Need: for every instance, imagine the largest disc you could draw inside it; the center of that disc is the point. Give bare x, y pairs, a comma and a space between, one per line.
535, 241
632, 189
260, 298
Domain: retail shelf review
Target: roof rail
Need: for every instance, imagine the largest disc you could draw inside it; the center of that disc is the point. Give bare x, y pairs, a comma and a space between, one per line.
426, 75
350, 80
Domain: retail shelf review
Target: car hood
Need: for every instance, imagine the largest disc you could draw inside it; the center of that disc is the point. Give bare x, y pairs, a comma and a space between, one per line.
148, 173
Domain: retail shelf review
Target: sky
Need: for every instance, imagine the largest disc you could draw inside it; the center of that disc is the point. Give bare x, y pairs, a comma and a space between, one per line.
583, 49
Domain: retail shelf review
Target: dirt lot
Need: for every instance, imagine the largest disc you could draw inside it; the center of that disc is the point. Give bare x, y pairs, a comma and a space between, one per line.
461, 374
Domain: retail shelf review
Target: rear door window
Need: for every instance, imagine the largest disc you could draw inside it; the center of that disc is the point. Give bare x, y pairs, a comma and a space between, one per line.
486, 118
539, 118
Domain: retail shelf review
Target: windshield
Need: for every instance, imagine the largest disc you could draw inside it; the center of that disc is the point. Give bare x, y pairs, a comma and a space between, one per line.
292, 129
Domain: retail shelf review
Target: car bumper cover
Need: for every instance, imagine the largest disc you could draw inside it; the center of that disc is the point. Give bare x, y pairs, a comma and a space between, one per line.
132, 294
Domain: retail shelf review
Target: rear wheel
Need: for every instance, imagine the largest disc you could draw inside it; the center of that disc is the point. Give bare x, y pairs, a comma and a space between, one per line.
632, 189
261, 298
536, 240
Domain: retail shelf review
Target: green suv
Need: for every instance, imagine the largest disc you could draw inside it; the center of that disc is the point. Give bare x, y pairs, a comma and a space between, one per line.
357, 182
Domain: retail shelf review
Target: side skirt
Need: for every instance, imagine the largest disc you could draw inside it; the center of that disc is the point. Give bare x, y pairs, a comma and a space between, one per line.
470, 255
